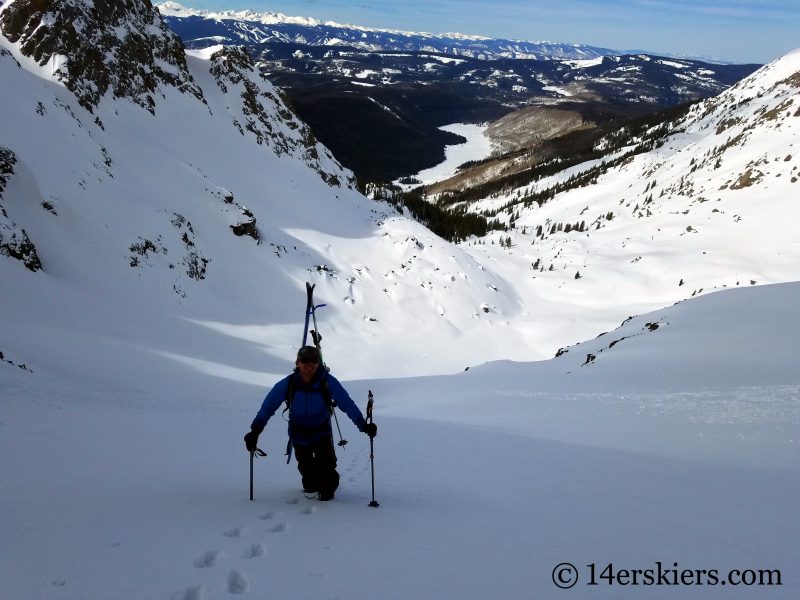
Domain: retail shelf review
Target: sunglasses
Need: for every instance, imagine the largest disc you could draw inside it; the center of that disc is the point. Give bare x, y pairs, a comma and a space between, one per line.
309, 360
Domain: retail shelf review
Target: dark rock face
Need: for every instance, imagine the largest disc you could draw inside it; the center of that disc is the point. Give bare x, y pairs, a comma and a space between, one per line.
265, 113
14, 242
7, 161
117, 45
247, 227
19, 246
232, 67
262, 106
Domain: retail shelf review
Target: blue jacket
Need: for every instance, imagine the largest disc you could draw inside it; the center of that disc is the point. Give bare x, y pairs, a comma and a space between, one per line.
309, 418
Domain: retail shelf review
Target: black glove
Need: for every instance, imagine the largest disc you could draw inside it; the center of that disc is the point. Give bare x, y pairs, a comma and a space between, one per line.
251, 439
371, 429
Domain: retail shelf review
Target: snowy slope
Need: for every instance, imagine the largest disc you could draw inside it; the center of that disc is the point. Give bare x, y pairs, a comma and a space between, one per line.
129, 198
675, 445
131, 367
706, 209
137, 212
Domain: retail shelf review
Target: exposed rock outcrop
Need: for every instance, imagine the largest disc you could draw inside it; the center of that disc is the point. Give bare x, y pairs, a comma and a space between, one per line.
14, 241
120, 46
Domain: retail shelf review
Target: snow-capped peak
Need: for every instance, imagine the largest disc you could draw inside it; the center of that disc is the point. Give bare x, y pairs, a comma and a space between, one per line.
174, 9
769, 75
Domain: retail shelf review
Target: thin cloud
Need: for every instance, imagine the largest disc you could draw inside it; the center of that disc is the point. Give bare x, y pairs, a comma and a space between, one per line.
733, 10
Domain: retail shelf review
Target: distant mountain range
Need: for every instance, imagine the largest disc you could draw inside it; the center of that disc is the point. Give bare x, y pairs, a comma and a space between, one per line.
377, 97
201, 28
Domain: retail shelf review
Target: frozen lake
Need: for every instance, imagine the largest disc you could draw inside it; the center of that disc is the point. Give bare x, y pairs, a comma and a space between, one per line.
476, 147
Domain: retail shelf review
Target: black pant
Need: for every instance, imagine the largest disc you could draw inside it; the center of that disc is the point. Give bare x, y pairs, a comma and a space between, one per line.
317, 465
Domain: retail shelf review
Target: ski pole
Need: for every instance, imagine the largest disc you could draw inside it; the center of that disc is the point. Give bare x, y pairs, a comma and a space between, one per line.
373, 504
252, 455
342, 441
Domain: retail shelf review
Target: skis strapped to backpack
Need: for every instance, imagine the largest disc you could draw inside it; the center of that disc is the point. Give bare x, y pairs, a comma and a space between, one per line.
311, 314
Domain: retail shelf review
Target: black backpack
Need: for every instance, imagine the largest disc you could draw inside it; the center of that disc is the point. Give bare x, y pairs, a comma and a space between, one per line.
290, 391
323, 388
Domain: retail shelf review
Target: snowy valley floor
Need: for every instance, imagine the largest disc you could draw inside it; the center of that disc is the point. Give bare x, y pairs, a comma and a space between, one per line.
134, 497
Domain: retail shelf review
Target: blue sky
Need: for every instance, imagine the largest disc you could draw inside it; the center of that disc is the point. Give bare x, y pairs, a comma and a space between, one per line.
738, 30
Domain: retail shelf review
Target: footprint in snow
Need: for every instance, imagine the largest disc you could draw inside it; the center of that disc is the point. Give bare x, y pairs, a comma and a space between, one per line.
233, 533
308, 510
293, 501
237, 583
207, 559
254, 551
195, 592
267, 516
278, 528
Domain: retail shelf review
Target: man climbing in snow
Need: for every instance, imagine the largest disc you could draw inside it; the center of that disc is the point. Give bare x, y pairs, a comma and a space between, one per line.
312, 394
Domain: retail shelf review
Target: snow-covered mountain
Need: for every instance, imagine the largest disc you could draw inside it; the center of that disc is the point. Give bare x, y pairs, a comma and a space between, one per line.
188, 205
202, 28
376, 97
680, 208
182, 205
158, 220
